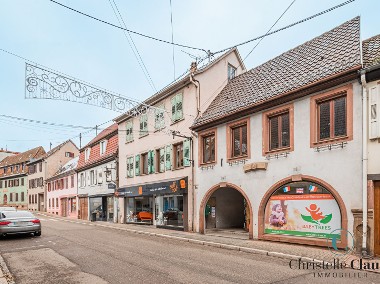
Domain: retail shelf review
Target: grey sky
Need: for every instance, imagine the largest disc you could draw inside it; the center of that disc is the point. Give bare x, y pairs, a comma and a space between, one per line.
53, 36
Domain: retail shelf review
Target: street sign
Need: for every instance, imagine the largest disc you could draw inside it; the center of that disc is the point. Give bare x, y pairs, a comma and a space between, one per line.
111, 185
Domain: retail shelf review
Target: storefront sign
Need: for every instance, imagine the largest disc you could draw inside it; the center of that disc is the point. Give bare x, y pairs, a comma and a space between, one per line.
167, 187
111, 185
304, 213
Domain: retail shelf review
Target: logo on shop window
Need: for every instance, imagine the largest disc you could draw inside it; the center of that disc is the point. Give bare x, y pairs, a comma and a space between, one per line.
173, 187
140, 190
316, 215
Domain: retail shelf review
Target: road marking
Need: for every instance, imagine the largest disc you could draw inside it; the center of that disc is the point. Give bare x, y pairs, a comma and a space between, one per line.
53, 220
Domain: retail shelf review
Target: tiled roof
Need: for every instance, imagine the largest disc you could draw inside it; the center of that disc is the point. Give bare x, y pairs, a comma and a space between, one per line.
329, 54
102, 134
68, 167
95, 157
371, 51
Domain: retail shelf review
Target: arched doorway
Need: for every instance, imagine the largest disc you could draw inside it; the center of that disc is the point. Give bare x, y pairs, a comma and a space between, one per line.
225, 206
5, 199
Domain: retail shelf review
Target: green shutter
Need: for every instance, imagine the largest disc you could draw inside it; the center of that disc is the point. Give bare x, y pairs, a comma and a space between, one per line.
151, 162
137, 167
168, 159
186, 153
162, 160
129, 132
179, 106
174, 108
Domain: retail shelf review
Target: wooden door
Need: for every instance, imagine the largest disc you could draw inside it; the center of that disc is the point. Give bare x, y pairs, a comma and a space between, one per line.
83, 205
64, 207
377, 217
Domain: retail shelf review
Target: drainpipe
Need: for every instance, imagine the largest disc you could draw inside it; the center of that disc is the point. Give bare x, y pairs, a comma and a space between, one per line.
198, 98
364, 165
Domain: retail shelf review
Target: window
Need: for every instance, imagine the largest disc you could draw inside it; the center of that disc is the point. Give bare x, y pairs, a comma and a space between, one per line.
5, 184
231, 72
56, 202
69, 154
87, 154
238, 142
72, 181
208, 147
66, 182
130, 162
160, 160
49, 186
331, 116
103, 146
178, 156
11, 196
82, 180
159, 120
49, 203
40, 165
144, 163
16, 199
17, 168
22, 181
143, 125
129, 131
30, 199
177, 107
1, 184
92, 177
22, 196
53, 202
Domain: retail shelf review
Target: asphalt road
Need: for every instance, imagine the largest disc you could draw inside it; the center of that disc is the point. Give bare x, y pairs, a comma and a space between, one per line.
84, 253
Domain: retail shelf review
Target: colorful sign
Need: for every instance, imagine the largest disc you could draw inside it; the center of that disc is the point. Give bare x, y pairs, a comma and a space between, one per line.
303, 215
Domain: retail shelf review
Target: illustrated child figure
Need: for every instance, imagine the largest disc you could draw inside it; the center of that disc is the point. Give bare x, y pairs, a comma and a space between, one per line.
314, 212
277, 218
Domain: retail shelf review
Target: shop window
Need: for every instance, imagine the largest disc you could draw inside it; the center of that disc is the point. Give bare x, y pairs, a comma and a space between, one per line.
159, 119
139, 209
129, 131
207, 147
130, 162
177, 107
331, 116
303, 209
238, 143
144, 163
143, 125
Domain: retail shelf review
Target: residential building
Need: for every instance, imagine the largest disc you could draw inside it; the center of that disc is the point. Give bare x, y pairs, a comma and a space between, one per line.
370, 79
155, 146
279, 149
62, 191
14, 179
6, 153
97, 177
43, 167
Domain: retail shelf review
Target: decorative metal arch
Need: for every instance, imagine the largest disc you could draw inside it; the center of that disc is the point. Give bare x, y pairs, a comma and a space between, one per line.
45, 84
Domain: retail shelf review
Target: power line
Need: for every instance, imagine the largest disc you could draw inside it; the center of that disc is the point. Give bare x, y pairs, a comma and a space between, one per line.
171, 22
289, 26
137, 56
137, 33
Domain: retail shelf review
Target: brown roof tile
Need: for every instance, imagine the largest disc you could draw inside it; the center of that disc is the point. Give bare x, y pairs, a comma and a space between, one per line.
329, 54
371, 51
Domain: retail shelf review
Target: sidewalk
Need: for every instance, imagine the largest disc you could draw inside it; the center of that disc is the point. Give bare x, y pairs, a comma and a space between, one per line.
5, 275
229, 241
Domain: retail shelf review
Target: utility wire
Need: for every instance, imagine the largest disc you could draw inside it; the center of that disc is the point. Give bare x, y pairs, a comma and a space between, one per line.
288, 26
171, 22
138, 56
137, 33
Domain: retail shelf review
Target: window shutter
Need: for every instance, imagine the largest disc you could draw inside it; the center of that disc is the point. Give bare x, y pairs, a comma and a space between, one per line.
130, 166
179, 107
100, 175
150, 164
186, 153
162, 160
373, 113
174, 106
168, 159
152, 161
137, 167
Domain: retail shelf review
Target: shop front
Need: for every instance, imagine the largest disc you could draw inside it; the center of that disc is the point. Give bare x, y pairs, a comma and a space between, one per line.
303, 211
101, 208
163, 204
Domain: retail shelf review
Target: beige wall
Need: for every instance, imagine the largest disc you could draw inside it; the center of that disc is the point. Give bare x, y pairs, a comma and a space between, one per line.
373, 144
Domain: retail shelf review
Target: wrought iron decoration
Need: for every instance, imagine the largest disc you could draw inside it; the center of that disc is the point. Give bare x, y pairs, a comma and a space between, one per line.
45, 84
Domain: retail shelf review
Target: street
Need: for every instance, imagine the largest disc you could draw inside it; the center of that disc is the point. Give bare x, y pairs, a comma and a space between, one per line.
80, 252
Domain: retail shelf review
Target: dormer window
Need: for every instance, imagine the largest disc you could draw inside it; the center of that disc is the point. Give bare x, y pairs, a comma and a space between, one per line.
103, 146
87, 154
231, 72
69, 154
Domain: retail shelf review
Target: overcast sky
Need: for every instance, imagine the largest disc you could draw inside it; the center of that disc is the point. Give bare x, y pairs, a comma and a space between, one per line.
50, 35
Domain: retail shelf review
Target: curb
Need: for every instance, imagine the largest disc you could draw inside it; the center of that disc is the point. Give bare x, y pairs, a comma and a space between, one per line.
214, 244
4, 268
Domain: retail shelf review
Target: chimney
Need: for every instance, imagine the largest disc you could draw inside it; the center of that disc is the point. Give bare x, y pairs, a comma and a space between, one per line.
193, 67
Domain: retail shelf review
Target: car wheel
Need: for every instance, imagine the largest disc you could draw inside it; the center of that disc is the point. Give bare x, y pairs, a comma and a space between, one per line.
37, 234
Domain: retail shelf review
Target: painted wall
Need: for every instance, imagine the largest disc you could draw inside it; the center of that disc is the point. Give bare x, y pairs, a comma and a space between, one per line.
341, 168
22, 204
212, 81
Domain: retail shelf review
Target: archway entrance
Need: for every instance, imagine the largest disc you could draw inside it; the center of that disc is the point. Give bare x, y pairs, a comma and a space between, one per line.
225, 208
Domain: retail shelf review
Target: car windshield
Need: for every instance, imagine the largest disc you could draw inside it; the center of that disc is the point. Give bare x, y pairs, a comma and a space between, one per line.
16, 214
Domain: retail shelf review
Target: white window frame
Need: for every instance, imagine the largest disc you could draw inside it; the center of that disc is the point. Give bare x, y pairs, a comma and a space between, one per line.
87, 153
230, 68
103, 147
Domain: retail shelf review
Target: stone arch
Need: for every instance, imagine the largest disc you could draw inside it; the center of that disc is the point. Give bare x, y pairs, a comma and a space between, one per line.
207, 197
299, 240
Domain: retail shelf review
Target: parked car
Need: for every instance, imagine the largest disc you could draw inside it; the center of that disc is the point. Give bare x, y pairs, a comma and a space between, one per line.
7, 209
19, 222
173, 214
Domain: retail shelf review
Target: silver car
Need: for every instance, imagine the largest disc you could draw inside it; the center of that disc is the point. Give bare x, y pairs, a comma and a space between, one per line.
19, 222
